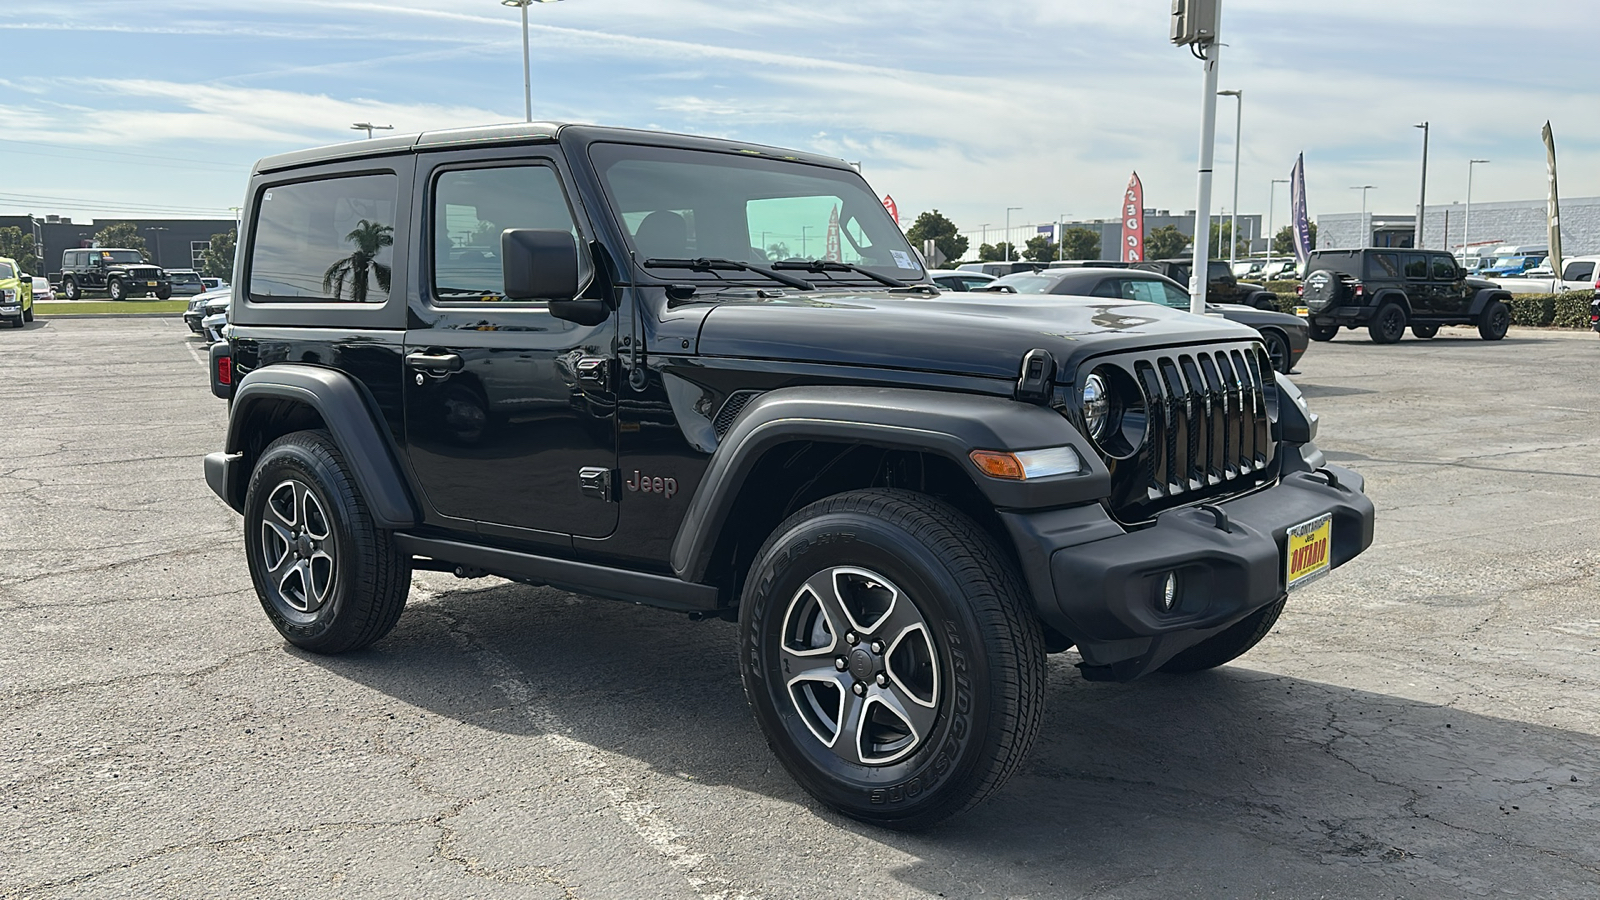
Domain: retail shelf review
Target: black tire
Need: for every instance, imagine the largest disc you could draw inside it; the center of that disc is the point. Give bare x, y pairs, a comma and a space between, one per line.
905, 559
1494, 321
164, 293
1324, 290
1229, 644
1265, 300
69, 286
1423, 332
17, 322
355, 594
1388, 324
116, 289
1324, 332
1277, 350
27, 314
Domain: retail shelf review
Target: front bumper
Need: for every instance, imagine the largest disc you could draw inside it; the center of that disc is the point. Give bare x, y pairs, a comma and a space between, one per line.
1098, 584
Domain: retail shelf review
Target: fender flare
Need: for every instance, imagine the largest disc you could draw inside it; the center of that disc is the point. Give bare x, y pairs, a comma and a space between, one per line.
1484, 297
343, 406
947, 424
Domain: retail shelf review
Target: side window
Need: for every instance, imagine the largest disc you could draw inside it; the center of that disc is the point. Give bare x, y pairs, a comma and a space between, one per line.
1444, 269
1218, 271
1143, 291
1176, 298
1416, 265
1578, 271
327, 240
1383, 265
1109, 287
472, 207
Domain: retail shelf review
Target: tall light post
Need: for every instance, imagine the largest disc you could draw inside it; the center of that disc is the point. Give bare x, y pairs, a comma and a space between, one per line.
1233, 221
1466, 223
1366, 230
368, 127
1422, 193
1272, 201
803, 230
527, 65
1061, 234
1007, 241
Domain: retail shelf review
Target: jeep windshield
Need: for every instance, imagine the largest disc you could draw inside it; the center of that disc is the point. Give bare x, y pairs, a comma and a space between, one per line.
121, 256
706, 205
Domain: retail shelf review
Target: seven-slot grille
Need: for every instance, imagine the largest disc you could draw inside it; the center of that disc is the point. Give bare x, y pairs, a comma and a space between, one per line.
1209, 431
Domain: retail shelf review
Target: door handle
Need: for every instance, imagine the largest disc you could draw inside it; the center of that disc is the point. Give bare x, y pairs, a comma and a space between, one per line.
434, 362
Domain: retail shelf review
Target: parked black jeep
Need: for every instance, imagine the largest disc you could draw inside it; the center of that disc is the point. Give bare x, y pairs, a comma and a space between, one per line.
558, 354
119, 273
1221, 285
1385, 290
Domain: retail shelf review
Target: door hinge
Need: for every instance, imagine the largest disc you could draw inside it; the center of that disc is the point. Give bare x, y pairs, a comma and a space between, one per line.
596, 482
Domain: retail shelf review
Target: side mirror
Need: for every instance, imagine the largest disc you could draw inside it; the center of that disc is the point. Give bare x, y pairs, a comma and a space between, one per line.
539, 264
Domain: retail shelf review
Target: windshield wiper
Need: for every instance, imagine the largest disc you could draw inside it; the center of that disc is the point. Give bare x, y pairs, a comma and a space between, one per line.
819, 266
716, 264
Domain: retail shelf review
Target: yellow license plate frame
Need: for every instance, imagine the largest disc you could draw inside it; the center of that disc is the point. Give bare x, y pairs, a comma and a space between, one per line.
1308, 551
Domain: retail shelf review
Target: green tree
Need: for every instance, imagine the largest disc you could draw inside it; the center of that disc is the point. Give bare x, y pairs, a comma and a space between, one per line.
218, 262
779, 250
1081, 243
18, 245
1166, 242
1220, 232
996, 252
943, 232
370, 238
987, 253
1283, 241
1040, 249
122, 235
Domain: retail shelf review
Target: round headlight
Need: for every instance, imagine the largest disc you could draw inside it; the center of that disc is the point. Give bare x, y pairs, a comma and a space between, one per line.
1096, 406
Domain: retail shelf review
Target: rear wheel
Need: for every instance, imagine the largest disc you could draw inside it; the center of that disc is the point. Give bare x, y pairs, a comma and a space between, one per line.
1388, 325
1229, 644
1423, 332
1494, 322
889, 657
1278, 351
1324, 332
329, 579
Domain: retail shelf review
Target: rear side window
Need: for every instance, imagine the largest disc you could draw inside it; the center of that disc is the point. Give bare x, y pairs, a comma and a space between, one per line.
1384, 265
325, 241
1416, 265
471, 207
1444, 269
1578, 271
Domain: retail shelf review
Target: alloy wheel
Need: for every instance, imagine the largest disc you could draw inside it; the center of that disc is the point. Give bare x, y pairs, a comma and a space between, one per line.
297, 548
862, 663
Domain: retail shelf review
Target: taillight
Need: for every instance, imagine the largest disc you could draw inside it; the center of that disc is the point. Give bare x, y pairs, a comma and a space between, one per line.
1361, 290
1300, 290
224, 370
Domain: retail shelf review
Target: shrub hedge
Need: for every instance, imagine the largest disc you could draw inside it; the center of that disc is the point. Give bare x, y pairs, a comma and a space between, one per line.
1565, 310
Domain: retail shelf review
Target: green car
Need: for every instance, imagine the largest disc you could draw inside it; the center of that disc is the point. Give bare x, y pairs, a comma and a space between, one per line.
16, 293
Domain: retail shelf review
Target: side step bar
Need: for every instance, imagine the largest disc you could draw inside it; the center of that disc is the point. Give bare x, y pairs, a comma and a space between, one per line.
583, 578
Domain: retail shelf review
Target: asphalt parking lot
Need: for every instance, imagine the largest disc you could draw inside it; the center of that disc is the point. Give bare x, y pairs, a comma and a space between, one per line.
1423, 723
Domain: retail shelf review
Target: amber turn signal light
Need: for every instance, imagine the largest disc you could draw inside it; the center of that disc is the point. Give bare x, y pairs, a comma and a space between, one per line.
997, 464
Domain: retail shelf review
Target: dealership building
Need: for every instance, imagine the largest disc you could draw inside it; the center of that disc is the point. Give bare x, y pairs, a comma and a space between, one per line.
1515, 222
172, 243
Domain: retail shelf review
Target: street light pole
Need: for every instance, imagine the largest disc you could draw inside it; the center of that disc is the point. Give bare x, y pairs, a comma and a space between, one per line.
1422, 193
1200, 263
1466, 223
1061, 234
1272, 200
527, 64
1366, 230
1007, 241
1233, 221
368, 127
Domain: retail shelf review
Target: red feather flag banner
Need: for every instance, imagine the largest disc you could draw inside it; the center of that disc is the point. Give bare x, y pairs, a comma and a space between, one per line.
894, 211
1133, 221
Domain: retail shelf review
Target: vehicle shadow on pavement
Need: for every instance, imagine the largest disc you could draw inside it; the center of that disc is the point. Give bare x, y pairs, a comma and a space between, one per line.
1233, 782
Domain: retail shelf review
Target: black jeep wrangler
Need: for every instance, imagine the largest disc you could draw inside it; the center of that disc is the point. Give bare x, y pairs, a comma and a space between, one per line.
1221, 285
558, 354
119, 273
1385, 290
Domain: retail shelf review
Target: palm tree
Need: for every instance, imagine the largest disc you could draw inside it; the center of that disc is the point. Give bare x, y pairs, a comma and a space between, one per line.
370, 238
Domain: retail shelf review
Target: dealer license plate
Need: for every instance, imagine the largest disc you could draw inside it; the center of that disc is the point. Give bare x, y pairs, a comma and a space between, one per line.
151, 283
1302, 311
1309, 545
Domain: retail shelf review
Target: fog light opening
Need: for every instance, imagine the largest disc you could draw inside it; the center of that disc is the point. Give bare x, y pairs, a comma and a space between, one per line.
1169, 592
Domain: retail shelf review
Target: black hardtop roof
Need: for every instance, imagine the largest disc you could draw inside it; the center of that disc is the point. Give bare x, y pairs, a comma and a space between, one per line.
526, 133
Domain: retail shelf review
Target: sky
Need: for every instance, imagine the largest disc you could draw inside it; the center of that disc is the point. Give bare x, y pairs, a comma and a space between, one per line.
158, 108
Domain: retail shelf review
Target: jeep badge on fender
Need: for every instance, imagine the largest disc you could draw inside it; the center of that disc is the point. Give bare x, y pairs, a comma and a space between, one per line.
905, 498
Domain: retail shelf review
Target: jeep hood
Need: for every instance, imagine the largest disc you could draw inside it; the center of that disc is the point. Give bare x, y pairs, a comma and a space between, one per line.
951, 332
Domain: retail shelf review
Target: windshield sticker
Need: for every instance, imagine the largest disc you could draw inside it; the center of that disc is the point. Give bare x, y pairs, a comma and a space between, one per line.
902, 259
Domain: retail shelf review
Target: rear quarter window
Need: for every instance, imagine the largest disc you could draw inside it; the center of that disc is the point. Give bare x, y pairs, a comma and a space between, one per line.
330, 240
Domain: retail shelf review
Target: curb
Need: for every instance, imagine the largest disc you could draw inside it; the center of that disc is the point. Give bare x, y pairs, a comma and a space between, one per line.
150, 315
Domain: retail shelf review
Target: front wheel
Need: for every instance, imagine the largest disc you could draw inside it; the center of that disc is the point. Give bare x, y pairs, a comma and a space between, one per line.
1324, 333
1494, 322
889, 658
1388, 324
27, 314
329, 579
117, 289
163, 293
